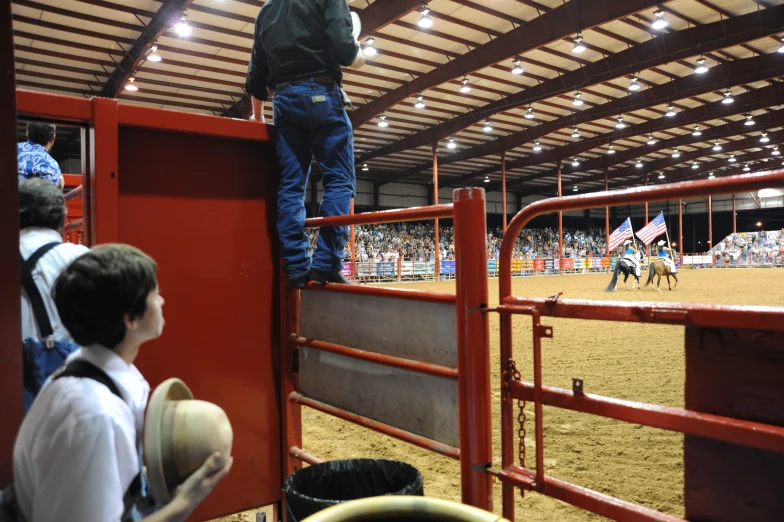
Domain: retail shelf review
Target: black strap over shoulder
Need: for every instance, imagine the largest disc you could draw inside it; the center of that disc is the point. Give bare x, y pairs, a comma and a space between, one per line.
86, 370
36, 300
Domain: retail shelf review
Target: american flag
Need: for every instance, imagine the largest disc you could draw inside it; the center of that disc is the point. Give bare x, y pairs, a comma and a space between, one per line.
653, 229
621, 234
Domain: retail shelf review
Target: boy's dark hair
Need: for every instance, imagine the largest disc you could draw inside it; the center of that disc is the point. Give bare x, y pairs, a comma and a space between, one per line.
99, 288
41, 133
41, 204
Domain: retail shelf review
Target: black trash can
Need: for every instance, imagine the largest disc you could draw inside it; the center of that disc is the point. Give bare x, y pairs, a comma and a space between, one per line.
311, 489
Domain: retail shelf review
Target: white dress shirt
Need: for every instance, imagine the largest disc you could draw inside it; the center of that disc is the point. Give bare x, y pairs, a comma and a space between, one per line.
78, 449
44, 274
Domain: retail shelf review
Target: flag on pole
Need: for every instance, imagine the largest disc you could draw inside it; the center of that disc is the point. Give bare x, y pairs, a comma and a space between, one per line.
653, 229
621, 234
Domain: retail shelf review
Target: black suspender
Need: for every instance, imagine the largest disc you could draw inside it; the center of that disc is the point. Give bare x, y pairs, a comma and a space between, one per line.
36, 300
85, 370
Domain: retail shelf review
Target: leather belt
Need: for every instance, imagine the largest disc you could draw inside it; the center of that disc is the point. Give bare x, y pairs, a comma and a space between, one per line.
319, 78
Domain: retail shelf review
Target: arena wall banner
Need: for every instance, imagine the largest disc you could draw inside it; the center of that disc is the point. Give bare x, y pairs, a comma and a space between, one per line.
569, 263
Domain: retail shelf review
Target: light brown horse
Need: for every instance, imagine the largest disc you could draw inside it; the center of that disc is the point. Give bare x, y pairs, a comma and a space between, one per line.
659, 268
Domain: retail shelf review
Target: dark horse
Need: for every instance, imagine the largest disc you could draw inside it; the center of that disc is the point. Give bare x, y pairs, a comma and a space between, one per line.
625, 266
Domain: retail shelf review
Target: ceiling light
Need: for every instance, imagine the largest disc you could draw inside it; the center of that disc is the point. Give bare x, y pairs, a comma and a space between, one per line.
781, 49
537, 147
451, 144
651, 141
574, 189
661, 175
727, 98
676, 154
633, 85
465, 87
516, 67
579, 46
611, 150
575, 163
130, 86
365, 168
420, 104
732, 159
620, 124
487, 179
575, 134
696, 131
488, 127
717, 146
749, 120
746, 168
764, 138
182, 28
369, 50
639, 164
577, 99
701, 67
775, 151
425, 21
529, 114
711, 176
383, 121
767, 193
154, 56
695, 165
659, 23
670, 111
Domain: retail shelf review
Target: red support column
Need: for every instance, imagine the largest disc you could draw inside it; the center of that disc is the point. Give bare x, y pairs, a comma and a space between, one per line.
560, 224
435, 202
680, 229
503, 186
647, 247
102, 191
710, 228
734, 216
10, 318
473, 350
351, 246
606, 217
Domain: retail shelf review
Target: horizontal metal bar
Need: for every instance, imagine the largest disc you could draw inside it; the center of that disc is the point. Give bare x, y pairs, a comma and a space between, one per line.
754, 434
435, 370
687, 314
384, 216
584, 498
304, 456
73, 194
53, 106
186, 123
406, 436
75, 225
394, 293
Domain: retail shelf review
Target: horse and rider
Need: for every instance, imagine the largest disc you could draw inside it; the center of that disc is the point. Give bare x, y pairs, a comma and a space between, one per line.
663, 265
630, 264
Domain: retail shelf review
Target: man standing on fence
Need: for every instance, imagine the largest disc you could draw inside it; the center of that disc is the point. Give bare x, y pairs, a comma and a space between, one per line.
298, 49
33, 158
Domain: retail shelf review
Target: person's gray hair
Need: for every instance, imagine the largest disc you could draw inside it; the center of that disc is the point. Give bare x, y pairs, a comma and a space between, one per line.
41, 204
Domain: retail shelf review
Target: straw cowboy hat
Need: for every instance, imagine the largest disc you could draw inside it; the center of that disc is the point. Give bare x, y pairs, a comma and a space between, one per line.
627, 241
180, 433
661, 243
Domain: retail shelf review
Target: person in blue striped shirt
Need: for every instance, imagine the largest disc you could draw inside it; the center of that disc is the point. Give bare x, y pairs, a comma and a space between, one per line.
33, 158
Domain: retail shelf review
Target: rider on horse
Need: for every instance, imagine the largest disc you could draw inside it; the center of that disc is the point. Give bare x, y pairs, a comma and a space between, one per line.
664, 255
630, 254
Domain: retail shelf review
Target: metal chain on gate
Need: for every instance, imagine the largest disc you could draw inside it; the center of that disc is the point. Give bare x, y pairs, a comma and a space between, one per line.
512, 373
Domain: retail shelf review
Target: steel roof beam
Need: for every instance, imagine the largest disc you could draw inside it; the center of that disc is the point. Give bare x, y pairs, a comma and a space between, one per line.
665, 48
549, 27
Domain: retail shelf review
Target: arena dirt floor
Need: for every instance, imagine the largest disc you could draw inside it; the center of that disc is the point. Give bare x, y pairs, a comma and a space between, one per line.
623, 360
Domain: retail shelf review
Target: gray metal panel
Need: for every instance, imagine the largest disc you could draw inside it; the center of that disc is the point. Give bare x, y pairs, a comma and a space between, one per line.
412, 401
415, 330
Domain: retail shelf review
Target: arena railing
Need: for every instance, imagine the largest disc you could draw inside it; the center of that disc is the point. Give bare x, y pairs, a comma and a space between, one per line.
722, 428
74, 226
314, 316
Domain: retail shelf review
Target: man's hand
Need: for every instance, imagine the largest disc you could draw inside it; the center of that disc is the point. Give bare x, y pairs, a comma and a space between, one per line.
359, 61
195, 489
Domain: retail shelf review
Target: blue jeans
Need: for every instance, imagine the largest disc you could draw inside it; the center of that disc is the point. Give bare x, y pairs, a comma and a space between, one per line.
310, 121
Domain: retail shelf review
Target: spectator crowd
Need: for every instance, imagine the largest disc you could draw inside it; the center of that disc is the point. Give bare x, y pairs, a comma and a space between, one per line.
763, 247
416, 242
